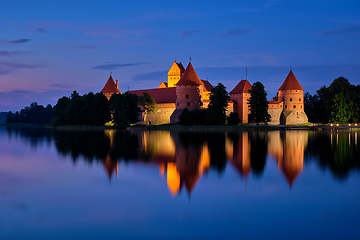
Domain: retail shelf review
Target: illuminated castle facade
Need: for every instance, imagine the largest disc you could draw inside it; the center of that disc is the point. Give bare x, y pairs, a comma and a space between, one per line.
184, 89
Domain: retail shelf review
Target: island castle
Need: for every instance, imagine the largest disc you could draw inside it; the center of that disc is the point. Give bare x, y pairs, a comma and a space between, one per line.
184, 89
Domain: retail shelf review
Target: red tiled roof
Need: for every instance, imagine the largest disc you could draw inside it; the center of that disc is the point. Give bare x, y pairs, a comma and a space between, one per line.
190, 77
291, 83
160, 95
110, 86
182, 69
163, 85
243, 87
208, 85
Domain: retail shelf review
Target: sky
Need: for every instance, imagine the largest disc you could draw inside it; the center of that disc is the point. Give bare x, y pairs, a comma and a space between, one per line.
48, 49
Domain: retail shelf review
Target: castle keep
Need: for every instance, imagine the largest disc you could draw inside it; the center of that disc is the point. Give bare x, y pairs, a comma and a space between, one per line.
185, 89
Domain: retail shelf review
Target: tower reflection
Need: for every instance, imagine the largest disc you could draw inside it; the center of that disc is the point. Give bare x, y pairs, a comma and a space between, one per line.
182, 162
288, 147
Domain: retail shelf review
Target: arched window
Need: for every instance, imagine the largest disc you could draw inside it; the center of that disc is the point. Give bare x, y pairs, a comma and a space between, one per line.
290, 99
285, 106
283, 99
299, 99
187, 95
294, 106
188, 104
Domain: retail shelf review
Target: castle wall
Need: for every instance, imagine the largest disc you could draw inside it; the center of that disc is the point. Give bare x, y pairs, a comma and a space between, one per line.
275, 116
293, 117
161, 116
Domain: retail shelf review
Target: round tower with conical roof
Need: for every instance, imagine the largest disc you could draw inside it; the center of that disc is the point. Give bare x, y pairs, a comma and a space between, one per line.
292, 95
189, 90
110, 88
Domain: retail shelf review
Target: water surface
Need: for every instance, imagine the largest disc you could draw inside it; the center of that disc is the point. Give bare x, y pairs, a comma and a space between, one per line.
175, 185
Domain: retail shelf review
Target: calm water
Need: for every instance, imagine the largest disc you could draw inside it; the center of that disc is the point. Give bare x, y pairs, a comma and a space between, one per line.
179, 185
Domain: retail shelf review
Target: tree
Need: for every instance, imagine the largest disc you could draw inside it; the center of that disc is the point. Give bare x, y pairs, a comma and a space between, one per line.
258, 104
193, 117
216, 112
59, 115
233, 118
124, 109
148, 104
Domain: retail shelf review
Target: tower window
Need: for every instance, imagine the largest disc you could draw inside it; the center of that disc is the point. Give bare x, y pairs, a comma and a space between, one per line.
301, 106
290, 99
178, 104
285, 106
187, 96
188, 104
294, 106
283, 99
299, 99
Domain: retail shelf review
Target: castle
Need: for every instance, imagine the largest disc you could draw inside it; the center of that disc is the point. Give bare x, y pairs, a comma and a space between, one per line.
184, 89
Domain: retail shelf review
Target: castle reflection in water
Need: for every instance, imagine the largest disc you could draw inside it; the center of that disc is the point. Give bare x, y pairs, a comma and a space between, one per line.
184, 164
183, 157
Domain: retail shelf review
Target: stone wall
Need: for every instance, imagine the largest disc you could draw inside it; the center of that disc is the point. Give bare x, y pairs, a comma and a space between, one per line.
275, 116
161, 116
293, 117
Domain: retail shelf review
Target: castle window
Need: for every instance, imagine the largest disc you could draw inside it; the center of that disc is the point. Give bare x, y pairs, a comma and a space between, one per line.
290, 99
299, 99
294, 106
178, 104
187, 96
301, 106
283, 99
285, 106
188, 104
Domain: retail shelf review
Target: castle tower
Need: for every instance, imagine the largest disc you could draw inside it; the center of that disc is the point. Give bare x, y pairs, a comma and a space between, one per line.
189, 90
110, 88
292, 95
175, 73
240, 95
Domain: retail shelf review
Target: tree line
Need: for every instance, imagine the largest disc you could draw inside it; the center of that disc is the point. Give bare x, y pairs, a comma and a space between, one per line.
338, 103
37, 114
90, 109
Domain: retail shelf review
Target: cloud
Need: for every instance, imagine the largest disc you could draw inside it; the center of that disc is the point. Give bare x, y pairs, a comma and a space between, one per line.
11, 53
151, 76
235, 32
22, 40
42, 30
16, 65
116, 66
190, 32
86, 47
340, 31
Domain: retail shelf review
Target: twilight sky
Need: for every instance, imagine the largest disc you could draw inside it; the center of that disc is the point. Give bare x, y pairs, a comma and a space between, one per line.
50, 48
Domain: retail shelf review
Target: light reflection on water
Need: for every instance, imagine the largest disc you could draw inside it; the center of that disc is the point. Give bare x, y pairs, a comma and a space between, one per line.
161, 184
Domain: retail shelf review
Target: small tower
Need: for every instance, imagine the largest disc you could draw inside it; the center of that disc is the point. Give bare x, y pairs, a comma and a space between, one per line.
110, 88
189, 90
175, 73
240, 95
292, 95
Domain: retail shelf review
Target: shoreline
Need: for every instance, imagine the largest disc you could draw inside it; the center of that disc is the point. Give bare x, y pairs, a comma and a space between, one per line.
173, 127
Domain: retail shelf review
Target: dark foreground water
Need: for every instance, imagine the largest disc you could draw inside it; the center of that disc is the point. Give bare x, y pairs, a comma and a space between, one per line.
179, 185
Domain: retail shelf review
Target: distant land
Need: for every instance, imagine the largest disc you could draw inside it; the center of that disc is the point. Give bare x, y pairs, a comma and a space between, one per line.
3, 117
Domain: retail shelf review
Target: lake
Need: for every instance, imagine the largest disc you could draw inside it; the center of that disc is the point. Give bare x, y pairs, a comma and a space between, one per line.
114, 184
